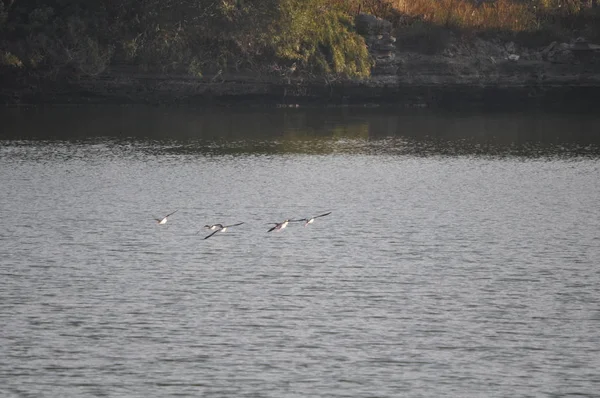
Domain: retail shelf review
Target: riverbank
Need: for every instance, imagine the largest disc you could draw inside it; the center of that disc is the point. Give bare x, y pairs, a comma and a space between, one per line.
459, 71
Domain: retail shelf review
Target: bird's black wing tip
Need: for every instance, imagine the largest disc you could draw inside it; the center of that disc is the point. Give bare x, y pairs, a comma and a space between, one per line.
206, 237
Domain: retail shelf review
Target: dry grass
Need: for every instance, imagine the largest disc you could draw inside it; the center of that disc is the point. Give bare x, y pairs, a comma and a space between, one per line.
426, 23
490, 15
505, 15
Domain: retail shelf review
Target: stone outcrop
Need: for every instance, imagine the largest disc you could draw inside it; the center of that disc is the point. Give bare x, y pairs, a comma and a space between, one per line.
476, 61
380, 42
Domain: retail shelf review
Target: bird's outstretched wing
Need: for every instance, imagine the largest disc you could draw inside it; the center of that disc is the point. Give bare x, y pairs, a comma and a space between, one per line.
169, 215
233, 225
206, 237
273, 228
323, 215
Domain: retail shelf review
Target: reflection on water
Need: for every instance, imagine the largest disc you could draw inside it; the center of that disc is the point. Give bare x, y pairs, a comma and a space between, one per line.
312, 131
460, 257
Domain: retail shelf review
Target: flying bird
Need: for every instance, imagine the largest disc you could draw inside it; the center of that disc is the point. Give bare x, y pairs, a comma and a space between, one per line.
219, 228
164, 219
279, 226
312, 219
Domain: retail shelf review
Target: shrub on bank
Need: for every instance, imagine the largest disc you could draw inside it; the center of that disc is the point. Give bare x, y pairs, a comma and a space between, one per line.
320, 38
73, 39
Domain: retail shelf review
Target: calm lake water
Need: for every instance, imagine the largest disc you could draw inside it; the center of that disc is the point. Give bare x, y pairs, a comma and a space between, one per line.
461, 257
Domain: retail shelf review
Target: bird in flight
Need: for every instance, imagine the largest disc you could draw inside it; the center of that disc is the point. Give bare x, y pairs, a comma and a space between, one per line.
164, 219
281, 225
312, 219
219, 228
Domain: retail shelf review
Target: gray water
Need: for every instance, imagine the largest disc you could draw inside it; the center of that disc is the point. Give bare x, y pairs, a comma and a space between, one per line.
461, 257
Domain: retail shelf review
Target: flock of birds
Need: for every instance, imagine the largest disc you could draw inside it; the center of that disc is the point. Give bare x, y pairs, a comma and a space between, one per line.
222, 228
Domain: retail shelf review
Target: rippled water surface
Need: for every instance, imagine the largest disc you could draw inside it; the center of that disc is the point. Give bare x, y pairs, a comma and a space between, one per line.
461, 257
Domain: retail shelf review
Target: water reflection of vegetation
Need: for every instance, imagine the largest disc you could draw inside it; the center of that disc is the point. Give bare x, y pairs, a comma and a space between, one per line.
309, 131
